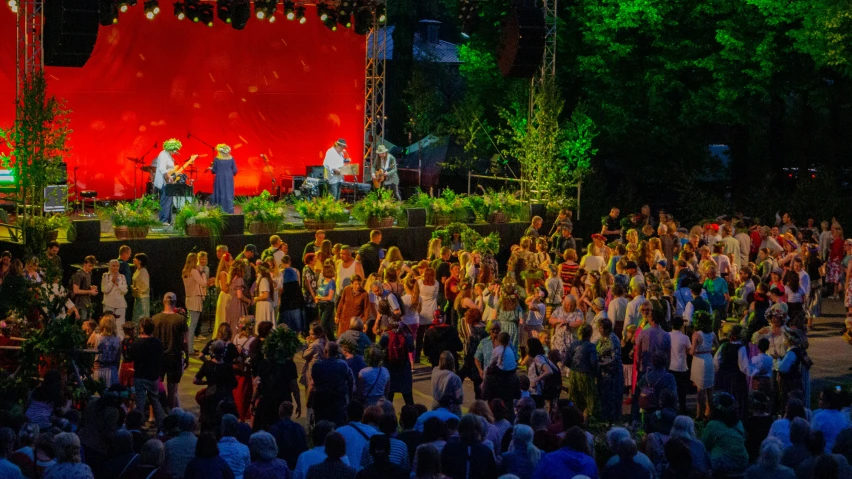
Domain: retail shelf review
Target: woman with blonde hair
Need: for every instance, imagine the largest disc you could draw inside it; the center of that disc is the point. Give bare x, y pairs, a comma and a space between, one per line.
222, 285
412, 304
464, 261
433, 252
325, 252
632, 237
195, 287
565, 321
655, 251
592, 261
239, 299
108, 351
393, 259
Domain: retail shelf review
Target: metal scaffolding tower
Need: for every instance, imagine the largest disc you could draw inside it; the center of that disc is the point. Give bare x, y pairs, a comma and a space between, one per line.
374, 88
548, 62
29, 54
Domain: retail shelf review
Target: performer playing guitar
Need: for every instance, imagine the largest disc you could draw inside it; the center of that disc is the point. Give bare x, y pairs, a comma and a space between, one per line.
165, 173
385, 172
174, 176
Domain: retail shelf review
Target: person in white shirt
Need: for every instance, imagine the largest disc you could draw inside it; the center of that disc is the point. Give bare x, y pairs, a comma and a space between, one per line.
744, 240
617, 309
723, 263
678, 367
333, 164
114, 287
731, 246
165, 164
633, 316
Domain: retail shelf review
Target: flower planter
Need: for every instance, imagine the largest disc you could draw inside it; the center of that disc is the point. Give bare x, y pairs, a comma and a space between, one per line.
442, 220
197, 230
498, 217
130, 232
313, 224
262, 228
375, 222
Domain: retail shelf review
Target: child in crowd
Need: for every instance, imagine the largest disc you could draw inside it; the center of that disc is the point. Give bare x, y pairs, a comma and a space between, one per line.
534, 321
125, 373
760, 369
503, 356
544, 337
627, 358
90, 327
524, 385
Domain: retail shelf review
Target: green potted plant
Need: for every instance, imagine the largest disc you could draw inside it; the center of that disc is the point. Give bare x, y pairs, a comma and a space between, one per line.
39, 230
378, 209
321, 213
133, 219
499, 207
196, 219
447, 208
264, 215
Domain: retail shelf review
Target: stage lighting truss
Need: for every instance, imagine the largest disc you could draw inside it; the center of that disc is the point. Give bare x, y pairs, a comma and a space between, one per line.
234, 12
289, 10
180, 10
265, 9
152, 9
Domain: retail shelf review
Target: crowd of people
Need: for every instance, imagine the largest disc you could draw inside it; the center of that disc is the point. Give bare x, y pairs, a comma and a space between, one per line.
646, 315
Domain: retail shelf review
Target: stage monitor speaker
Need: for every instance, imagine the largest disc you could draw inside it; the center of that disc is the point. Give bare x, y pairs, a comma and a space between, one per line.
85, 231
416, 217
522, 42
70, 32
537, 209
315, 171
234, 225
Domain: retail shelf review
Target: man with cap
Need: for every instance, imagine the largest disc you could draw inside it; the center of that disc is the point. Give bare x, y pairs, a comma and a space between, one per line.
249, 255
385, 171
333, 163
171, 329
562, 241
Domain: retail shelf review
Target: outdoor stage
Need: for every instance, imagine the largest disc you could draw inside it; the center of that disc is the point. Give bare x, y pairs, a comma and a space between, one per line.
166, 253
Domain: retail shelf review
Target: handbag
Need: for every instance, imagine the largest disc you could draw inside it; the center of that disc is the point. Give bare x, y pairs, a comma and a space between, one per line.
648, 399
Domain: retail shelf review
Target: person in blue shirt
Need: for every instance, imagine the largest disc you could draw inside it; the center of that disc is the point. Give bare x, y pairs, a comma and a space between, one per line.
717, 293
571, 460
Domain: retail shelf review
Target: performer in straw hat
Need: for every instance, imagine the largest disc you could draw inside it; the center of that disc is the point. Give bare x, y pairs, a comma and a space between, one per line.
225, 168
385, 171
333, 163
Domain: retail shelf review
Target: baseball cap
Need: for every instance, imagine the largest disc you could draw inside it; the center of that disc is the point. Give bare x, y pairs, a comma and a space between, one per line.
251, 247
630, 265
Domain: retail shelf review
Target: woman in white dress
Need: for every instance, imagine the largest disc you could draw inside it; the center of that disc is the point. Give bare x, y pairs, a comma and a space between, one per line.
114, 286
429, 288
703, 372
263, 300
222, 285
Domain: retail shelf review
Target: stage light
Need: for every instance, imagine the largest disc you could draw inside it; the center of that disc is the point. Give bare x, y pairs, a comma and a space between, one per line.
192, 10
300, 15
345, 19
180, 11
152, 9
380, 14
205, 14
241, 14
265, 9
322, 11
224, 10
107, 12
331, 20
289, 9
124, 5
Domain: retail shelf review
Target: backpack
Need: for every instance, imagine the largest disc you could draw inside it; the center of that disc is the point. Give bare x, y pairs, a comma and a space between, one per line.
397, 351
552, 387
384, 302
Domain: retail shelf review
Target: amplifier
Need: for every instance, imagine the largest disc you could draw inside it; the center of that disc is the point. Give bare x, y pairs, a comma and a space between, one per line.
359, 187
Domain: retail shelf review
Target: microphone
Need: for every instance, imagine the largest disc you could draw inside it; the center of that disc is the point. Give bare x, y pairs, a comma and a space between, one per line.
188, 135
265, 159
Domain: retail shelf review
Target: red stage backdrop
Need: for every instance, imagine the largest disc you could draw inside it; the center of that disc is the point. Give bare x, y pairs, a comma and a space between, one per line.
283, 89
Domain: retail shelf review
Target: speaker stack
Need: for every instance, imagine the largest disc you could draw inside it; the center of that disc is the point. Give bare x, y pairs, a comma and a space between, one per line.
522, 41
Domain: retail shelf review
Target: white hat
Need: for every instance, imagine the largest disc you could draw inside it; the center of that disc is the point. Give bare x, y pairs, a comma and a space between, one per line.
382, 149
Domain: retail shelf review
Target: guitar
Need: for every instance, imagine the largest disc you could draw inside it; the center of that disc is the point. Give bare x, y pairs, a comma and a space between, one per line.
379, 177
171, 177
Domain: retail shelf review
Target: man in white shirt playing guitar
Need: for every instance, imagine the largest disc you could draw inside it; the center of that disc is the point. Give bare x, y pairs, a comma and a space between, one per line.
166, 173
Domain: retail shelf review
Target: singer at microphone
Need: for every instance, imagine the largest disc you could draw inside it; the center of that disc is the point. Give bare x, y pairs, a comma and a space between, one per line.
225, 168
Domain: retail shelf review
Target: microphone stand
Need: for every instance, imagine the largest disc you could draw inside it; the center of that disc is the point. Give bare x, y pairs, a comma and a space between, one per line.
208, 145
268, 170
76, 187
142, 162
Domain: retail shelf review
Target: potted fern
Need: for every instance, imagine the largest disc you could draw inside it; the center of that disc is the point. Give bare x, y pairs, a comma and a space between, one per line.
133, 219
378, 209
195, 219
321, 213
500, 207
447, 208
263, 214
